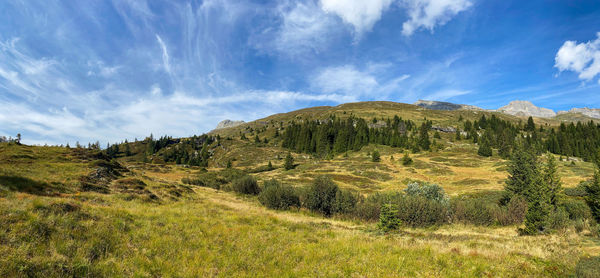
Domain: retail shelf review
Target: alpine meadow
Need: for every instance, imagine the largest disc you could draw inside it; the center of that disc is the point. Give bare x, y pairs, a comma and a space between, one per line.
300, 138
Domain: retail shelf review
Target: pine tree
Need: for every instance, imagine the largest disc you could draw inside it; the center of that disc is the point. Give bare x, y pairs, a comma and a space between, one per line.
406, 160
375, 157
424, 142
484, 148
457, 138
127, 150
530, 124
289, 162
388, 218
593, 195
523, 174
552, 180
270, 166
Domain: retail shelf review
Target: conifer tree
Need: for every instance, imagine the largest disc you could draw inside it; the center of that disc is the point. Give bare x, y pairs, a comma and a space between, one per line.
593, 195
424, 142
523, 174
406, 160
484, 148
375, 157
552, 180
270, 166
289, 162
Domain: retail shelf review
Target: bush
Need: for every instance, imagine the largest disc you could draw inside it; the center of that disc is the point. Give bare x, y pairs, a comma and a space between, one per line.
578, 191
473, 211
369, 208
513, 213
278, 196
321, 195
558, 219
428, 191
406, 160
577, 209
421, 212
388, 218
246, 185
345, 202
375, 157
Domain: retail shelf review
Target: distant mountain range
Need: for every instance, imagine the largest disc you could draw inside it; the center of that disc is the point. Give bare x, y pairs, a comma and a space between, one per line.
515, 108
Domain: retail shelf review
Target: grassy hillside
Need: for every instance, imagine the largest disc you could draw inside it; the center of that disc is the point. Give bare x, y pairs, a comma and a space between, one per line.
148, 224
79, 212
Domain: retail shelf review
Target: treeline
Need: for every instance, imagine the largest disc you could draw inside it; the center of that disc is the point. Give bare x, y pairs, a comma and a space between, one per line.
335, 135
193, 151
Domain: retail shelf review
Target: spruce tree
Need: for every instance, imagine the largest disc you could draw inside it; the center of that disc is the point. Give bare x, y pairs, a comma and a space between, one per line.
375, 157
593, 195
552, 180
406, 160
484, 148
424, 142
289, 162
523, 173
530, 124
270, 165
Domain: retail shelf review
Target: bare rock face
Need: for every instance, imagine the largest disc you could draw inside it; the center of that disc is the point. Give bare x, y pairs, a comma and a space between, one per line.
441, 105
526, 108
590, 112
228, 123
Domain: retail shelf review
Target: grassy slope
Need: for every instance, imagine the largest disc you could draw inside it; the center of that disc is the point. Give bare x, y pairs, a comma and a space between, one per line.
209, 233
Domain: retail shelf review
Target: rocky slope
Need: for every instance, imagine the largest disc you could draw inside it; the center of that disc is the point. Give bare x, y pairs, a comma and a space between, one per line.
228, 123
441, 105
590, 112
526, 108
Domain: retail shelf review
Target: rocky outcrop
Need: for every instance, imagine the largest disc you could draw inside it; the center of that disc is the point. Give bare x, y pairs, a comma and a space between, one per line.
590, 112
441, 105
526, 108
228, 123
445, 129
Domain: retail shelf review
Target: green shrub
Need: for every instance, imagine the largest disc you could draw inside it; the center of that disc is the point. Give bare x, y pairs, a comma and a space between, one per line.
375, 156
388, 218
578, 191
369, 208
577, 209
513, 213
473, 211
278, 196
321, 195
345, 202
418, 211
428, 191
558, 219
246, 185
406, 160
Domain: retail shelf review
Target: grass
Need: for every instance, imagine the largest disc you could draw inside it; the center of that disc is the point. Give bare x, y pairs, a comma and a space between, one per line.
147, 223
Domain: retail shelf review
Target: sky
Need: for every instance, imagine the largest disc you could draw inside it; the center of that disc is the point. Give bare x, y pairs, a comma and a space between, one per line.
108, 71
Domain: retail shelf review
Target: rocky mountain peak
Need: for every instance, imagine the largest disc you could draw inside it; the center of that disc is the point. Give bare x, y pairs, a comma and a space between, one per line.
526, 108
228, 123
442, 105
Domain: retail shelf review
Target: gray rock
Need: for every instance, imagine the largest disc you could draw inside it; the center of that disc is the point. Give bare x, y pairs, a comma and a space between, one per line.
526, 108
228, 124
590, 112
441, 105
445, 129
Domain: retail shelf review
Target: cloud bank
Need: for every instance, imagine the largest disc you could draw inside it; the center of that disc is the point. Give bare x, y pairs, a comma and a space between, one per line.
582, 58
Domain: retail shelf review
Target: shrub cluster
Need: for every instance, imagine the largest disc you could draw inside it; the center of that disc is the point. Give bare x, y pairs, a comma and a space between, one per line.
246, 185
325, 197
277, 196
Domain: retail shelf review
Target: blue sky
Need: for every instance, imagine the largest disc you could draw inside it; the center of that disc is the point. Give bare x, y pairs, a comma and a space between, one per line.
114, 70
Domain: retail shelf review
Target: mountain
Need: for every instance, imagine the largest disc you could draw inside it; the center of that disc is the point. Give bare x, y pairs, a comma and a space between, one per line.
590, 112
526, 108
228, 123
441, 105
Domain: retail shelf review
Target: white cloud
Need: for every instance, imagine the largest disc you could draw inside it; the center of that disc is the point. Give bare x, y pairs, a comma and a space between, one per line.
349, 80
429, 13
583, 58
361, 14
165, 54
